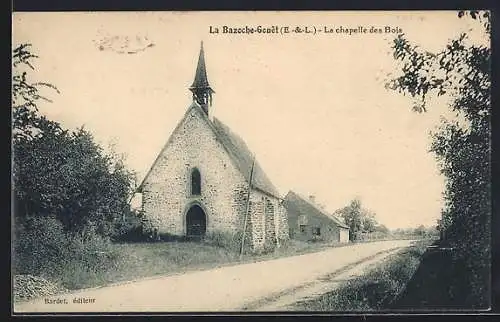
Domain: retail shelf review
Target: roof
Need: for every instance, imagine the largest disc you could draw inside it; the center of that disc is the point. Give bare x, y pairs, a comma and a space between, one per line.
237, 150
295, 202
338, 221
243, 158
200, 77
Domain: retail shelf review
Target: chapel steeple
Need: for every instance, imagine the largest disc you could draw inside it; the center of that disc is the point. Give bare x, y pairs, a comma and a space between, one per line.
202, 92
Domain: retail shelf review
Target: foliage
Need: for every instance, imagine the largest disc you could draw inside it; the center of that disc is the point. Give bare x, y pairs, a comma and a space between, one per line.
416, 232
57, 172
420, 230
130, 227
26, 121
45, 249
352, 217
461, 70
382, 229
68, 175
359, 219
368, 222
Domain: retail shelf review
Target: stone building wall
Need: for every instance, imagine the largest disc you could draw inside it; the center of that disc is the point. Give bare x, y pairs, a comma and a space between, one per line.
268, 221
167, 190
270, 224
283, 231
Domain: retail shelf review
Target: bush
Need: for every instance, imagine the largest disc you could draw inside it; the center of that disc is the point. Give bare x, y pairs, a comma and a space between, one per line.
43, 248
130, 228
37, 244
67, 175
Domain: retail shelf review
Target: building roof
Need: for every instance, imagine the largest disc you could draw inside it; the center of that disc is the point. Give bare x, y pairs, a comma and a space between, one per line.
301, 206
338, 221
243, 158
237, 150
200, 77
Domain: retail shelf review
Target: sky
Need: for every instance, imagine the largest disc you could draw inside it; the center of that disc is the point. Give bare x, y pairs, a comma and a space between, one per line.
313, 108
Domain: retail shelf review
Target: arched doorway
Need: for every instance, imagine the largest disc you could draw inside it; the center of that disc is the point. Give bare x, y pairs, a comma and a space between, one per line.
196, 222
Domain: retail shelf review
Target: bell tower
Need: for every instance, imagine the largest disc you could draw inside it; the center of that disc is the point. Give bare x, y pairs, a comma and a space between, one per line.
202, 92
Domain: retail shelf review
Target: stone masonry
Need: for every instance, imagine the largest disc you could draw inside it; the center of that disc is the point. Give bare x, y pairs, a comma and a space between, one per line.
200, 182
167, 195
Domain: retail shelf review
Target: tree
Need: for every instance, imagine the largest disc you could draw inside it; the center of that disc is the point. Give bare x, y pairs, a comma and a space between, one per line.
27, 122
420, 230
382, 229
352, 217
358, 219
61, 173
369, 223
463, 71
67, 175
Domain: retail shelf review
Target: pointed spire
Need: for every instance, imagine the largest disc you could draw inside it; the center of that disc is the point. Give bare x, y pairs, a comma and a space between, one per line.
202, 92
200, 78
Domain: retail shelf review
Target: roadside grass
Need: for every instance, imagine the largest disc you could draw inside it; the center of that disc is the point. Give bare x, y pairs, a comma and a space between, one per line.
128, 261
132, 261
375, 290
138, 260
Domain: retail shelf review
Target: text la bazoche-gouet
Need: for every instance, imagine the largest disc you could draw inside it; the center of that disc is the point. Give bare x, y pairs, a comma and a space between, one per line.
302, 29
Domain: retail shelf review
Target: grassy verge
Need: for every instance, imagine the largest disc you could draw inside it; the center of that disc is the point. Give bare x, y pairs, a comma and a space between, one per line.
375, 290
138, 260
131, 261
122, 262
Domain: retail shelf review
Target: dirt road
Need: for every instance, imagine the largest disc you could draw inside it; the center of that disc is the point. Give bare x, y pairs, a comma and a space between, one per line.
233, 288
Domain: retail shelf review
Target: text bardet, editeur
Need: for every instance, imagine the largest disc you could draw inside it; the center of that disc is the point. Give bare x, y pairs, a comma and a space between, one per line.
76, 300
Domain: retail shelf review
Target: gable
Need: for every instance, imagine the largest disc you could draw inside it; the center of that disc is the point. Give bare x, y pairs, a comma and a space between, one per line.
162, 151
234, 146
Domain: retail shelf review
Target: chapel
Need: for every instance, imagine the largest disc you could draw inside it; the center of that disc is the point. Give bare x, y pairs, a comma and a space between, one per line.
205, 180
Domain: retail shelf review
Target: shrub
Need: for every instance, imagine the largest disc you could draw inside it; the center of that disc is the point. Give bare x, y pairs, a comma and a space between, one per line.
130, 228
43, 248
66, 174
38, 242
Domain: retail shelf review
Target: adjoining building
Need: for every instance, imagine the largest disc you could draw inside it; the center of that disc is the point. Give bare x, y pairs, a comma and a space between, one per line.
308, 222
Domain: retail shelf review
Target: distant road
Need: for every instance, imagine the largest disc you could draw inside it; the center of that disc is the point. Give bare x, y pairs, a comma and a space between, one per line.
231, 288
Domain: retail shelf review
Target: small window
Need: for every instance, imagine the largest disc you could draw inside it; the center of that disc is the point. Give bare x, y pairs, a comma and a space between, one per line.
195, 182
302, 228
316, 231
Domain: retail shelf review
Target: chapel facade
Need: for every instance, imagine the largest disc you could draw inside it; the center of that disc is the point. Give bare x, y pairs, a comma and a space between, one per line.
205, 180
